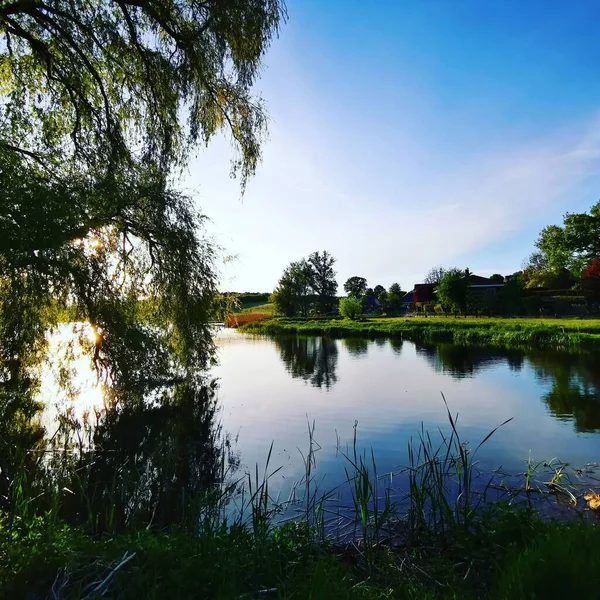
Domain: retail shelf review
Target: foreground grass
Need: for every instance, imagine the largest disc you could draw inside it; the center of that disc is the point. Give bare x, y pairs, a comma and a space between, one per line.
576, 333
510, 554
443, 540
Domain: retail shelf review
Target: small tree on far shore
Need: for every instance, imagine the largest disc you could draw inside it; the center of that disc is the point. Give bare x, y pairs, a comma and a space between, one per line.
394, 297
350, 308
355, 286
452, 289
323, 280
293, 293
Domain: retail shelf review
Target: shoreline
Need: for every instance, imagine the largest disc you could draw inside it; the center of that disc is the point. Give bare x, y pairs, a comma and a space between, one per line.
532, 332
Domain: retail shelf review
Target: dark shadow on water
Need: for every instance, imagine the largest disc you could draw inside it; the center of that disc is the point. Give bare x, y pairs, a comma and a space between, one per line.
356, 346
574, 393
133, 465
574, 379
467, 361
313, 359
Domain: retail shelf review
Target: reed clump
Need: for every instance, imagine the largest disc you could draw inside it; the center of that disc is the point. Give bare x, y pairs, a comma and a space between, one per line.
452, 532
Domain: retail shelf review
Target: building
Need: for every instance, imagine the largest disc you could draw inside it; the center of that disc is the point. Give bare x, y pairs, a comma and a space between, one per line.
425, 292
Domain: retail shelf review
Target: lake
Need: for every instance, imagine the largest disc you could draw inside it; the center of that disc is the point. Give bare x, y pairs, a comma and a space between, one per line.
271, 389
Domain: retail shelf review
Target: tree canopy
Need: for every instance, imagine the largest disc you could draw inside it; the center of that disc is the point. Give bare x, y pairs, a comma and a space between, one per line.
323, 278
394, 298
293, 293
452, 288
102, 103
306, 284
575, 244
434, 275
355, 286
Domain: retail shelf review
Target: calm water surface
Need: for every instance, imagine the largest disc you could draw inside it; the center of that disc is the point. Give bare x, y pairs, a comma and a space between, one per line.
271, 388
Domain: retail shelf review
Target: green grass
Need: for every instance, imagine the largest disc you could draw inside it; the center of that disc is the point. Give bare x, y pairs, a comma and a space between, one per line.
446, 543
576, 333
262, 308
513, 554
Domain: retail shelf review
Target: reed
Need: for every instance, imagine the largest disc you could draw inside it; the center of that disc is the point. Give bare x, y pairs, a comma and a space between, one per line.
443, 538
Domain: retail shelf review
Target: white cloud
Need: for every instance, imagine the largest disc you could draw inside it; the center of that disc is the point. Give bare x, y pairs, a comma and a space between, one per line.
388, 208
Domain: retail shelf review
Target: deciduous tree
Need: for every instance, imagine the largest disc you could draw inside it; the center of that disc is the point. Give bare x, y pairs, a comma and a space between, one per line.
355, 286
102, 102
573, 245
394, 298
294, 292
351, 307
435, 275
452, 289
324, 284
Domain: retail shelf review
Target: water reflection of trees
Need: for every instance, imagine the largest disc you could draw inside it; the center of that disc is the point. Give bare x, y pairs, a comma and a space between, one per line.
136, 464
356, 346
574, 379
313, 359
466, 361
574, 387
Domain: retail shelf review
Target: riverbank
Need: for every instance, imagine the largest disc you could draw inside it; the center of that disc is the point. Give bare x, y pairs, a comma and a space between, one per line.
543, 332
513, 554
445, 539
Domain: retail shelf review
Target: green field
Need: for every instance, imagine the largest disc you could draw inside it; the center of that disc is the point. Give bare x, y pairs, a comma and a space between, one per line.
548, 332
259, 308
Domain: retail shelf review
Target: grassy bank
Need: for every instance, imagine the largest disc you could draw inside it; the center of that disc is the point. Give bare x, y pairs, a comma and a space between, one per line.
563, 333
445, 541
515, 556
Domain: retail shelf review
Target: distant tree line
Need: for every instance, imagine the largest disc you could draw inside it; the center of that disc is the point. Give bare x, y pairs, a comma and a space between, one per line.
562, 276
308, 287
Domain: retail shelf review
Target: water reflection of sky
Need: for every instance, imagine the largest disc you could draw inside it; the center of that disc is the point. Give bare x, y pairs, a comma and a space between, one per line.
270, 387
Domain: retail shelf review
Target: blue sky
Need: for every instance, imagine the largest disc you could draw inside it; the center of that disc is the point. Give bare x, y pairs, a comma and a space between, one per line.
409, 134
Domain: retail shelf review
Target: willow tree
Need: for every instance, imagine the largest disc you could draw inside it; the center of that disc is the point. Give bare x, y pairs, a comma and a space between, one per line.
101, 105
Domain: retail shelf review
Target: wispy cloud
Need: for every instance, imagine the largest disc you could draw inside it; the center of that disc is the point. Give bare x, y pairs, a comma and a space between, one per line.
387, 207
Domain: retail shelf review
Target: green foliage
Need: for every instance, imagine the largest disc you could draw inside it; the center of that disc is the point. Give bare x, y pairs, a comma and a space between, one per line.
564, 562
573, 245
497, 278
306, 284
323, 282
92, 137
355, 286
351, 308
293, 293
452, 289
380, 293
114, 79
394, 297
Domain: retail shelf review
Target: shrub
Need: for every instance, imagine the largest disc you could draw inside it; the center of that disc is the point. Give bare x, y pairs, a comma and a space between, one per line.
351, 308
428, 308
234, 320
